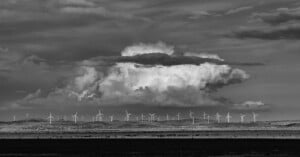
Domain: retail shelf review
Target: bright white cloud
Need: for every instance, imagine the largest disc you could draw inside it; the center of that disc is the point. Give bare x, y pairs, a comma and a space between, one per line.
204, 55
131, 83
160, 78
142, 48
87, 77
250, 105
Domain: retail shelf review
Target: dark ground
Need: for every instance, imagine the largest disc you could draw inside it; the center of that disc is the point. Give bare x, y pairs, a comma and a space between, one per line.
149, 147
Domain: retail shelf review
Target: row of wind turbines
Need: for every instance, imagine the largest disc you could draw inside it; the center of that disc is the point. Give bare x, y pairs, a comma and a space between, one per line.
99, 117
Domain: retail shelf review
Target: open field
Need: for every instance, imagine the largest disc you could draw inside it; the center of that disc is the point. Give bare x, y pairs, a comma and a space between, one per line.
164, 129
171, 138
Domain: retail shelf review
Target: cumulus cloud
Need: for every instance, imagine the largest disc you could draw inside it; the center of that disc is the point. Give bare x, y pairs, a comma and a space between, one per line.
251, 105
180, 84
160, 78
149, 84
142, 48
34, 95
204, 55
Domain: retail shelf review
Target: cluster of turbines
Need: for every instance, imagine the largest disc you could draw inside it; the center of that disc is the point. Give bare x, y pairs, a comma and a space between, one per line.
99, 117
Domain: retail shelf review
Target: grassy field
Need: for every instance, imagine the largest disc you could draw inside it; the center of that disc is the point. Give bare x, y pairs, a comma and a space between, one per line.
39, 128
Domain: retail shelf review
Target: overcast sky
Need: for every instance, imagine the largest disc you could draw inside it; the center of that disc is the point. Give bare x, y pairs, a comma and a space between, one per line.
64, 56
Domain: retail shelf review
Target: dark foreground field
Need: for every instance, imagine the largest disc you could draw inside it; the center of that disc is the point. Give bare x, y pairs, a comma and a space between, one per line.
149, 147
38, 138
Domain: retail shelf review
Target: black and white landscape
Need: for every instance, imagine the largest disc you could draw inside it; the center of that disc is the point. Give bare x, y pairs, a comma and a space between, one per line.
159, 69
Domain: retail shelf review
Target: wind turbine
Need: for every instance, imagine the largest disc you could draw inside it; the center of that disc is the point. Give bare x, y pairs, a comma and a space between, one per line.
207, 119
75, 117
152, 116
167, 117
14, 118
204, 115
178, 116
127, 118
111, 118
99, 116
228, 117
254, 115
242, 117
142, 117
50, 118
218, 116
192, 117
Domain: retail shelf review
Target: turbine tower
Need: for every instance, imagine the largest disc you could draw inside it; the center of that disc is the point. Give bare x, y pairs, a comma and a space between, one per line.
204, 115
178, 116
254, 116
152, 116
192, 117
75, 117
218, 116
127, 117
207, 119
242, 118
228, 117
167, 117
99, 116
50, 118
142, 117
111, 118
14, 118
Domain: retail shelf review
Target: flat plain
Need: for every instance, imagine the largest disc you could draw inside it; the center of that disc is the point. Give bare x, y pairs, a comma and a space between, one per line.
41, 129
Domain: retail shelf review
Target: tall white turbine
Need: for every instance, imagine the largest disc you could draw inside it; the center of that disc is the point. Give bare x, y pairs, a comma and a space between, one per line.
127, 116
191, 114
167, 117
14, 118
75, 117
242, 118
218, 117
50, 118
228, 117
178, 116
204, 115
99, 116
254, 115
152, 116
111, 118
207, 119
142, 117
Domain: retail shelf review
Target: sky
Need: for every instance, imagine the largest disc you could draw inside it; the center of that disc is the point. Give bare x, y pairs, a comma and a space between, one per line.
163, 56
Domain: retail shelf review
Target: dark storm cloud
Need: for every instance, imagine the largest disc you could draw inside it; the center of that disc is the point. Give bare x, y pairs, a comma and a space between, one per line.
163, 59
268, 33
281, 15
